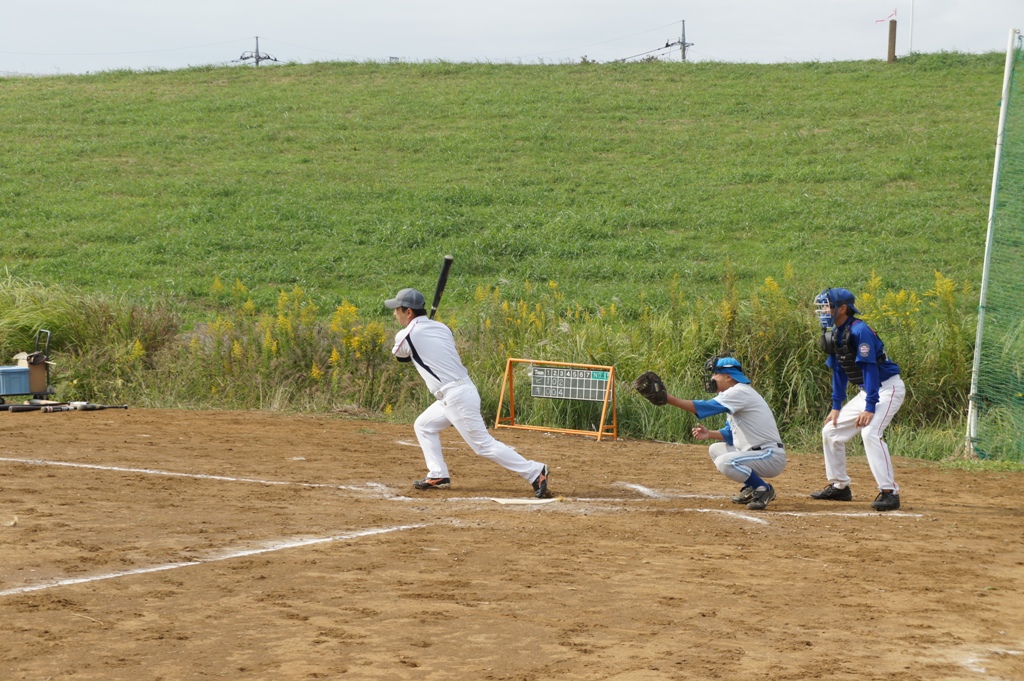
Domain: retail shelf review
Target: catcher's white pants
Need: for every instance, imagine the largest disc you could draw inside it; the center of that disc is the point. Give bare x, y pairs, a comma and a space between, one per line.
737, 465
460, 407
834, 438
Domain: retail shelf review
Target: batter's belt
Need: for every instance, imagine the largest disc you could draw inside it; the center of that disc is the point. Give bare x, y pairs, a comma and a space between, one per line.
448, 387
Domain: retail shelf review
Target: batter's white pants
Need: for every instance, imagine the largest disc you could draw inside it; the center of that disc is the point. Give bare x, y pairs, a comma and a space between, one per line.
460, 407
834, 438
737, 465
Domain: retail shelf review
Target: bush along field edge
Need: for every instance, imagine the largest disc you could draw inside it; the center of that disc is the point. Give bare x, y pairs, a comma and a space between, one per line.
299, 357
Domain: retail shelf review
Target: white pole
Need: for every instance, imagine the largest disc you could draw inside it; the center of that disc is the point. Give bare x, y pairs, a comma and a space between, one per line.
911, 49
972, 411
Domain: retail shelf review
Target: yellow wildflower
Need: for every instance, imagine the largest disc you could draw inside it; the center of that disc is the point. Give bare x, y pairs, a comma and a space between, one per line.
137, 351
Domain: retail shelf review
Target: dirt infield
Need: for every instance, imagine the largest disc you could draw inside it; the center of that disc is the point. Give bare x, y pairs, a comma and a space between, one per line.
176, 545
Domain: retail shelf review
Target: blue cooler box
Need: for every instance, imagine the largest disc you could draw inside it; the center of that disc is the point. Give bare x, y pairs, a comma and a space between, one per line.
14, 381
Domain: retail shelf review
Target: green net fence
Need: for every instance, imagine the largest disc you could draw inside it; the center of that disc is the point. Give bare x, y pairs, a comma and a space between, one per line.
997, 401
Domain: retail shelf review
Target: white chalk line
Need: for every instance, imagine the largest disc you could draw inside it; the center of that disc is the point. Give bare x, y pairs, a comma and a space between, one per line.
975, 663
385, 492
374, 487
654, 494
851, 514
734, 514
226, 555
154, 471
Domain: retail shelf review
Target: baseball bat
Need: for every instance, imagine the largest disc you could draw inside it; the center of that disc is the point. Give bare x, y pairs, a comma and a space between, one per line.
442, 281
50, 408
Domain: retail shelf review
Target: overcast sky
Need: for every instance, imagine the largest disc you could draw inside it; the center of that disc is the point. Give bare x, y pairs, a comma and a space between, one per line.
79, 36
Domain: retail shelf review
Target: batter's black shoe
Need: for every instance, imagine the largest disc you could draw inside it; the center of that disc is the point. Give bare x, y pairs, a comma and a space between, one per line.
433, 483
745, 496
540, 485
833, 493
761, 498
887, 500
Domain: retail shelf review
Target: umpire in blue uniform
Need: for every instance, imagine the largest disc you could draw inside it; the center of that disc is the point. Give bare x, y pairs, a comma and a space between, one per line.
857, 355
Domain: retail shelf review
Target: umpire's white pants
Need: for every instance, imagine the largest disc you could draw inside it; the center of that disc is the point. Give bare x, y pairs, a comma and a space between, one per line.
737, 465
834, 437
460, 407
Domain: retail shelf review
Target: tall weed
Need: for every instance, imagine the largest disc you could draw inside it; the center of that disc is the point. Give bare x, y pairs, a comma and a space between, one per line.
297, 356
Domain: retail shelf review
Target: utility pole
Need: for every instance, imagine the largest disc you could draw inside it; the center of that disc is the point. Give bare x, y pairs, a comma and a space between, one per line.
683, 43
256, 55
892, 41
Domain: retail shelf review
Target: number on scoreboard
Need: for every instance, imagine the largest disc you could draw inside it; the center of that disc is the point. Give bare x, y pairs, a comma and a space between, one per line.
569, 384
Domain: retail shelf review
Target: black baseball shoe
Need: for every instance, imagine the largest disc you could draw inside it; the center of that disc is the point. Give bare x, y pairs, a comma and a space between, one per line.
540, 485
887, 500
745, 496
433, 483
833, 493
761, 498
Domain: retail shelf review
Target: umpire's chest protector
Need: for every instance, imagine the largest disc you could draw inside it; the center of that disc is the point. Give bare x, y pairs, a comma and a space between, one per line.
839, 342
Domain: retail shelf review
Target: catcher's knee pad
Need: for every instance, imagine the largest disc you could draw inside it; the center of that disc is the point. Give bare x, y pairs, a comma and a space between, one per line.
716, 450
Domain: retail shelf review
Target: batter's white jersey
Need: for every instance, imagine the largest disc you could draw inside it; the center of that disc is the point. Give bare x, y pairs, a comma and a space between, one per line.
431, 347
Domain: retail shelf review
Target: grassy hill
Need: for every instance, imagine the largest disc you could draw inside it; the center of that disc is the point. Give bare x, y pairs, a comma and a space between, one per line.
351, 180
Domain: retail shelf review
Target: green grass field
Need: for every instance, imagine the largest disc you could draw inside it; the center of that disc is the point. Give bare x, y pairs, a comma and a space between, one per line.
187, 234
352, 180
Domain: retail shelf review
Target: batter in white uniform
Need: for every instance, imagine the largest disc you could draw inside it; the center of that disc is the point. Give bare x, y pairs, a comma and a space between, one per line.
430, 346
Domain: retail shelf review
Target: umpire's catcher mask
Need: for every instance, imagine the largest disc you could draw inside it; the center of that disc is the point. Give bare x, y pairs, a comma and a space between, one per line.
823, 308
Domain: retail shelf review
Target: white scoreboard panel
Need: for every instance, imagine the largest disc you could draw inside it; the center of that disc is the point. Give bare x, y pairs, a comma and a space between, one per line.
569, 384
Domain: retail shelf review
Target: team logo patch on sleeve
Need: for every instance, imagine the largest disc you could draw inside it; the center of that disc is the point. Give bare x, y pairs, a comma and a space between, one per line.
864, 349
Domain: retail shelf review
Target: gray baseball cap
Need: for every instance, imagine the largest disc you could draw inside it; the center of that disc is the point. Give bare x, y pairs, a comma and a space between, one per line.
407, 297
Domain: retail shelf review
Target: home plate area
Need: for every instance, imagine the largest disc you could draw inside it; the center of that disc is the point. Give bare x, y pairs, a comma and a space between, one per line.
176, 544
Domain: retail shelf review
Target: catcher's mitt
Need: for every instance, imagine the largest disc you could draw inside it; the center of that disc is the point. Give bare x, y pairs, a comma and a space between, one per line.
650, 385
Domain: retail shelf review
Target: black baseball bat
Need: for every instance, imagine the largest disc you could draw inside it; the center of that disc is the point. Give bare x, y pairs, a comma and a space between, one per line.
29, 408
442, 281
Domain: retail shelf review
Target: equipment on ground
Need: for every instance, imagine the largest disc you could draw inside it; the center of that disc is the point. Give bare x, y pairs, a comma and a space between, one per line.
31, 374
49, 407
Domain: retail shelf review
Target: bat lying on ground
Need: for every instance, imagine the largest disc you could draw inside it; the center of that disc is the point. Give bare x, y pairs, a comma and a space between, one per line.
50, 408
96, 407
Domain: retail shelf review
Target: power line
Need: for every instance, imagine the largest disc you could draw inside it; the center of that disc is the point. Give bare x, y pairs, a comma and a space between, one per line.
314, 49
681, 43
603, 42
107, 54
643, 54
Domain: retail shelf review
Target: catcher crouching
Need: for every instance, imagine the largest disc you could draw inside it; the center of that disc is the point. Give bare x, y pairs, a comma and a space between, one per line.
748, 448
